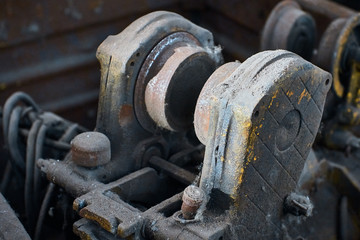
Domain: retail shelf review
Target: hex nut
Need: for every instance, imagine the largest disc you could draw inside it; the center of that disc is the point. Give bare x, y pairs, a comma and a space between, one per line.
90, 149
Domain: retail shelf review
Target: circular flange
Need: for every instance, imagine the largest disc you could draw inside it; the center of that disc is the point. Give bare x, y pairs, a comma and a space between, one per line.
350, 34
324, 57
203, 105
288, 27
169, 82
288, 130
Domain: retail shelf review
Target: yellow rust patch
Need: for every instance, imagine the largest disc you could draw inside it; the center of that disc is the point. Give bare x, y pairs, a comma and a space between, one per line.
241, 176
289, 93
89, 215
273, 97
304, 94
353, 95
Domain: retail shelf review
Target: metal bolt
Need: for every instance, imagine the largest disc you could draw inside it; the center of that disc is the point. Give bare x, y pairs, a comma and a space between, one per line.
90, 149
192, 199
297, 205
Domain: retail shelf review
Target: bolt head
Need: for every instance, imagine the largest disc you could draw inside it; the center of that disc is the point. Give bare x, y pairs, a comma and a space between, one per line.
193, 197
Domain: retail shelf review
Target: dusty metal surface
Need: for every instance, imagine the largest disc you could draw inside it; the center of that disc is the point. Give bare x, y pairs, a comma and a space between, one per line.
119, 74
118, 208
259, 117
10, 227
170, 96
154, 86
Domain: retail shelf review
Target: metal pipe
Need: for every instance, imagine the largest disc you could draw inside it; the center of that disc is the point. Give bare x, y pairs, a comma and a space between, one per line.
172, 170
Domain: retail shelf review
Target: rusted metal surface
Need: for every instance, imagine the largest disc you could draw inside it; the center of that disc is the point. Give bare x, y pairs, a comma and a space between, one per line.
118, 209
192, 198
62, 173
170, 96
168, 54
114, 206
119, 74
90, 149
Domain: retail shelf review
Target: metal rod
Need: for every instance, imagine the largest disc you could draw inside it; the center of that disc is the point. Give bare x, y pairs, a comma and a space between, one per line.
172, 170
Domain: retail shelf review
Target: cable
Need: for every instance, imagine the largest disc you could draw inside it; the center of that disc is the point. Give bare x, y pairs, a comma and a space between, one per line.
29, 174
43, 210
40, 138
12, 140
69, 133
10, 105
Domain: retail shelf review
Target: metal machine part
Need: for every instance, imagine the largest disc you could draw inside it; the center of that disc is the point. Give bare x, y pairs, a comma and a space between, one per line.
288, 27
269, 100
143, 174
336, 53
337, 40
235, 166
130, 74
142, 90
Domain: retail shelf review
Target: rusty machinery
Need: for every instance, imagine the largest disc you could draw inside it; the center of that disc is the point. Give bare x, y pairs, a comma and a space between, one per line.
327, 34
184, 145
292, 25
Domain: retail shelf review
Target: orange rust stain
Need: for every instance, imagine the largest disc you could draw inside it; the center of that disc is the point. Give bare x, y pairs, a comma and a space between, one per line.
125, 115
241, 176
89, 215
304, 94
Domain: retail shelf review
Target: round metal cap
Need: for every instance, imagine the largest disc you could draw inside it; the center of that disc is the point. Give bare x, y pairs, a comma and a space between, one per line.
90, 149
